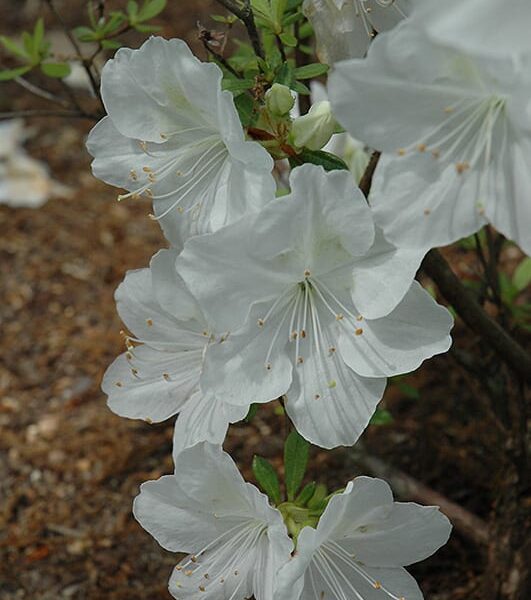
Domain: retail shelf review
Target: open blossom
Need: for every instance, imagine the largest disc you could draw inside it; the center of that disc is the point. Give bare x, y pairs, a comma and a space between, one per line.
317, 306
360, 546
484, 27
345, 28
158, 376
235, 541
174, 136
456, 143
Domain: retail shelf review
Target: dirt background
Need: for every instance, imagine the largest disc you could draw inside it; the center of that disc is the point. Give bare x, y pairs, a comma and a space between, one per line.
69, 468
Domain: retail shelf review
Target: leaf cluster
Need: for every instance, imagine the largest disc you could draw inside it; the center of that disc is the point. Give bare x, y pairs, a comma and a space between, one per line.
33, 52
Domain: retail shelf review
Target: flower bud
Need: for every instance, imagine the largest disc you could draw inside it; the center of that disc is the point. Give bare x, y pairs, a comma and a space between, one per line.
279, 100
314, 129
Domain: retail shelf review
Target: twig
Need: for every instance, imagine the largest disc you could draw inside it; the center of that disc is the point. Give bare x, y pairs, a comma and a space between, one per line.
67, 114
219, 58
436, 267
86, 64
245, 14
366, 180
41, 92
407, 487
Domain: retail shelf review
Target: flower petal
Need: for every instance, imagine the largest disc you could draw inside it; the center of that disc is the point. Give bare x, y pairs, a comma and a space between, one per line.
164, 88
409, 533
329, 403
204, 418
239, 370
420, 202
398, 343
383, 276
148, 384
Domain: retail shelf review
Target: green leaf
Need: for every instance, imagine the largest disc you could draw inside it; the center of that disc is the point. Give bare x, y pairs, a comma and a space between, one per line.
284, 75
330, 162
267, 478
237, 85
522, 274
113, 24
132, 8
245, 107
226, 20
306, 494
408, 390
85, 34
288, 39
300, 88
147, 28
111, 44
311, 71
27, 40
15, 49
296, 451
150, 9
253, 409
381, 417
13, 73
38, 34
58, 70
278, 8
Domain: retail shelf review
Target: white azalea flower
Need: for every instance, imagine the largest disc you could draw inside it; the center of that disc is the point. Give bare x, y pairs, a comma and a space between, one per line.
485, 27
173, 135
329, 310
160, 378
345, 28
457, 141
360, 546
234, 540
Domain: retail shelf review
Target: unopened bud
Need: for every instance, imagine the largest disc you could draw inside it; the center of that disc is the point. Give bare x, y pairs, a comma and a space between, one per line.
315, 129
279, 100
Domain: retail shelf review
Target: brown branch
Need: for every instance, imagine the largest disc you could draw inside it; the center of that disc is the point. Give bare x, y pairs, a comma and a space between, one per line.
366, 179
246, 16
67, 114
87, 65
41, 92
408, 488
436, 267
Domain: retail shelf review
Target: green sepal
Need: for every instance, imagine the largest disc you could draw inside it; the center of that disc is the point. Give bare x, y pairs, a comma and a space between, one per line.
306, 494
318, 497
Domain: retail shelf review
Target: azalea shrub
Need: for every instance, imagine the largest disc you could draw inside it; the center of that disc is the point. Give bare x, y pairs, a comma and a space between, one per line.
301, 176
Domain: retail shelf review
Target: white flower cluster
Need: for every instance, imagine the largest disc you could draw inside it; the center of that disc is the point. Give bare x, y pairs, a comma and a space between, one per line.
310, 296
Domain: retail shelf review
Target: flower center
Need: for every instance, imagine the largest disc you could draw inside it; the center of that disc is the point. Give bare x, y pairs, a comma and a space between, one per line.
333, 564
303, 312
465, 134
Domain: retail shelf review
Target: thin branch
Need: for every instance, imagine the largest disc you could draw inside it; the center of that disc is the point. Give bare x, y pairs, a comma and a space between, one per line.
67, 114
219, 58
408, 488
86, 63
366, 180
41, 92
436, 267
245, 14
